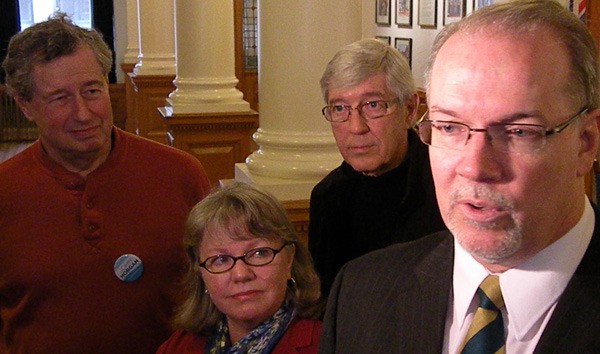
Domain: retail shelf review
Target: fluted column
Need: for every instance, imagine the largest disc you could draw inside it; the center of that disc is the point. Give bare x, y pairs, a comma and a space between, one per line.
130, 59
133, 49
156, 38
297, 39
205, 53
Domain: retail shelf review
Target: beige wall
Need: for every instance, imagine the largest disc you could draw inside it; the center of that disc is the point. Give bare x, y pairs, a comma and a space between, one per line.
422, 38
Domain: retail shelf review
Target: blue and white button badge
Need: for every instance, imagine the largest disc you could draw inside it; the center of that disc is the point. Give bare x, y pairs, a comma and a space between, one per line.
129, 268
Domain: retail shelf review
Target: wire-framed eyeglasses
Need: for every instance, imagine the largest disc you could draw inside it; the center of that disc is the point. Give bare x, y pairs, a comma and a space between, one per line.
509, 137
368, 110
255, 257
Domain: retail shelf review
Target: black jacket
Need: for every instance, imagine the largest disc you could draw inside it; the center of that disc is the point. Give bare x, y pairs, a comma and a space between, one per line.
352, 214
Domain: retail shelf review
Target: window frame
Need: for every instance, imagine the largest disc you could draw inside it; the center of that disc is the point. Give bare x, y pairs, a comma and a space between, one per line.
102, 21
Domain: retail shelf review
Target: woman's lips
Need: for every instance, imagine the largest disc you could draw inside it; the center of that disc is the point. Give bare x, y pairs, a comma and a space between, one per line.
245, 295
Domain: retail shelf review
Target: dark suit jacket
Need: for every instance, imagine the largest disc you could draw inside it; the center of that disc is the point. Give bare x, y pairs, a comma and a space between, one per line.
395, 301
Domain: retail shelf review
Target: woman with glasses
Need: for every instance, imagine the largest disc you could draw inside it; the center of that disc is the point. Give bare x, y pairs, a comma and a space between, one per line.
251, 286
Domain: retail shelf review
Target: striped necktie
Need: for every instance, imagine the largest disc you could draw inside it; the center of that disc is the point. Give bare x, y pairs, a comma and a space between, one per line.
486, 333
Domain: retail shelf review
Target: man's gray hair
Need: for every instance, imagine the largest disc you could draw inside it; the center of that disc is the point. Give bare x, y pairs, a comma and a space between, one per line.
360, 60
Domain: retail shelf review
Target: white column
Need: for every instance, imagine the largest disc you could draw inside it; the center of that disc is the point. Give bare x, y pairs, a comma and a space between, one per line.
296, 146
156, 39
205, 50
133, 49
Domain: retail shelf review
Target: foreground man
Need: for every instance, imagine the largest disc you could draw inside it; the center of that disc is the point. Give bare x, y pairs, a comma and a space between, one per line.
513, 130
91, 217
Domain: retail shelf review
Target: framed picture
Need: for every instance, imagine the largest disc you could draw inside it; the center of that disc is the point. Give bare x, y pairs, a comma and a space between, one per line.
404, 13
428, 13
454, 10
385, 39
404, 46
382, 12
477, 4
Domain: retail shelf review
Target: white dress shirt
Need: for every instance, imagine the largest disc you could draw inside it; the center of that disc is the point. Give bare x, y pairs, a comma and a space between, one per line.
530, 290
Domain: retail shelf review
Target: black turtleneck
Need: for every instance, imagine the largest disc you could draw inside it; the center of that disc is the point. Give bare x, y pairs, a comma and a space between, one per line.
352, 214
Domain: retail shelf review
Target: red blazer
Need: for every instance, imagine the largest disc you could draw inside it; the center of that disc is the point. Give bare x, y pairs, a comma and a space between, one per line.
302, 336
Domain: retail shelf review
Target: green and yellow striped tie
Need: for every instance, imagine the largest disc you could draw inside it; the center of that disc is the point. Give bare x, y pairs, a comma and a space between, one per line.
486, 333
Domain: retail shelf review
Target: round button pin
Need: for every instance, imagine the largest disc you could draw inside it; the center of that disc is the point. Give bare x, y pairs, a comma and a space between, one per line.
129, 268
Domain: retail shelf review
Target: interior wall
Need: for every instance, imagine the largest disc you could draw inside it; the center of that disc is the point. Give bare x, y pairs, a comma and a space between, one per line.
422, 38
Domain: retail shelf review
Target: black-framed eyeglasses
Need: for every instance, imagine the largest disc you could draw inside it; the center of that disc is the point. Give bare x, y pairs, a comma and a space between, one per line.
368, 110
509, 137
255, 257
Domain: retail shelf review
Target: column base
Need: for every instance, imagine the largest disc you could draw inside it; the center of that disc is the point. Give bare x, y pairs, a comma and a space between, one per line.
296, 156
283, 189
206, 95
223, 107
156, 66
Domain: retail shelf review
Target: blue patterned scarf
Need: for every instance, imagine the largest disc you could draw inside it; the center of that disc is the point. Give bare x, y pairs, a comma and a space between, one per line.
262, 339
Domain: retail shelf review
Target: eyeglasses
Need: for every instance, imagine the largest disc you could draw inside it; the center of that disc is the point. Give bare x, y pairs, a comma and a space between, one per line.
368, 110
513, 138
255, 257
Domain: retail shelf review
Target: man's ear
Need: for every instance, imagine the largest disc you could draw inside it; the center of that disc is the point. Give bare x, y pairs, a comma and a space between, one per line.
24, 106
412, 108
589, 136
